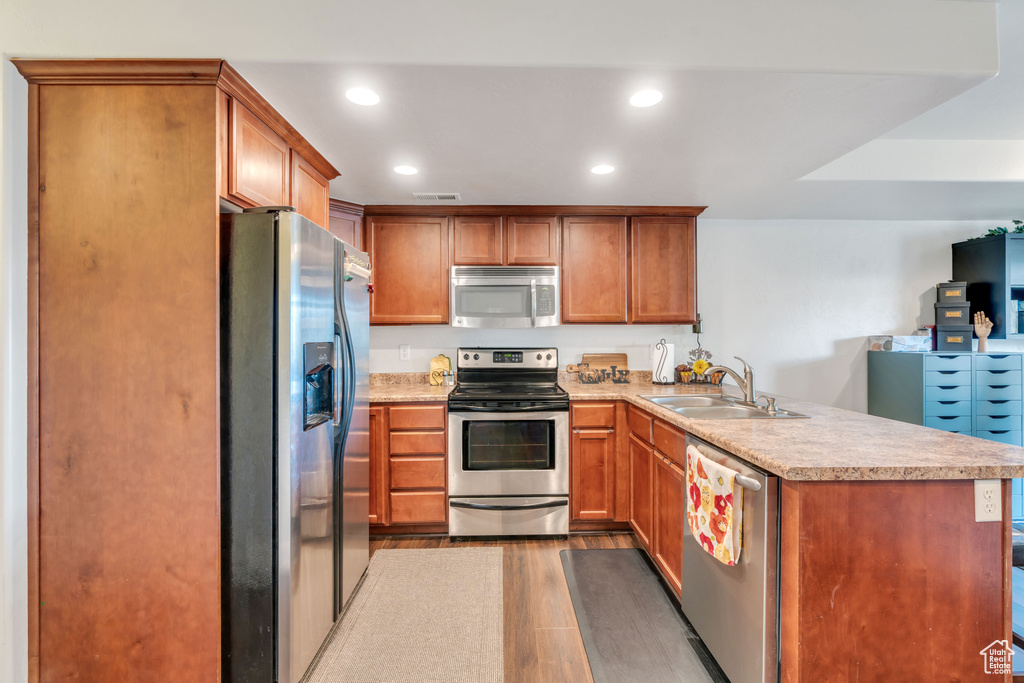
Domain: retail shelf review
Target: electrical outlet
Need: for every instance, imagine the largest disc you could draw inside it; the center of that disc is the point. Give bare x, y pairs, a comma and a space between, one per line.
404, 352
988, 500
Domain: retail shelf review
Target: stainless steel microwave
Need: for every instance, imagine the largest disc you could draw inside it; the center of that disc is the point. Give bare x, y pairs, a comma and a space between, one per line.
504, 296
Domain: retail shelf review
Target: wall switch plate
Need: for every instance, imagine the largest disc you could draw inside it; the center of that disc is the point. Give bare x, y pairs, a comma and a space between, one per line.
988, 500
404, 352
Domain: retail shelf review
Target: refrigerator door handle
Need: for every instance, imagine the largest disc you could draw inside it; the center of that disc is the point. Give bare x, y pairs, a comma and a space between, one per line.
339, 382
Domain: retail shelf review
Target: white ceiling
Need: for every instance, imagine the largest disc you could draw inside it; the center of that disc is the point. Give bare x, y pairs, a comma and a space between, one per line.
795, 108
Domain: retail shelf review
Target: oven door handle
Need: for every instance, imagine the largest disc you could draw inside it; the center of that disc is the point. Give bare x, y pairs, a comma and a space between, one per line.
507, 409
530, 506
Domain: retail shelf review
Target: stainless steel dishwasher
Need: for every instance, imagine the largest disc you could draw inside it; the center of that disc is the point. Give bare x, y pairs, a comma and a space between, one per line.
735, 609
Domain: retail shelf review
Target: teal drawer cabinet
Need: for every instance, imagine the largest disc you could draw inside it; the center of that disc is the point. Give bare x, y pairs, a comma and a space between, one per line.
978, 394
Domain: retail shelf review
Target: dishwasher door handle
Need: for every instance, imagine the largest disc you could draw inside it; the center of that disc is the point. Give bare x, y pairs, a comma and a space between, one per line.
748, 483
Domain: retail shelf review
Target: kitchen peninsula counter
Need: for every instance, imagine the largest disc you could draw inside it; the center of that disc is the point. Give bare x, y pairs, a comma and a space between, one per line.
832, 445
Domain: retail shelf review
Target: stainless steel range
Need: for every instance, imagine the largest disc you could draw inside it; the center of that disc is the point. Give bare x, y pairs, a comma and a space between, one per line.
508, 445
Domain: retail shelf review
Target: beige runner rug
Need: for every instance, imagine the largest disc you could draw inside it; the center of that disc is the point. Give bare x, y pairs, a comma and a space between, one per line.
430, 615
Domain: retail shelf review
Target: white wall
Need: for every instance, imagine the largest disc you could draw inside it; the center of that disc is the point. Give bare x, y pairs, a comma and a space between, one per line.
796, 299
13, 290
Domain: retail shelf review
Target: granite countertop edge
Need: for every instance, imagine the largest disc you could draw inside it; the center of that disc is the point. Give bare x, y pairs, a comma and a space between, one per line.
833, 445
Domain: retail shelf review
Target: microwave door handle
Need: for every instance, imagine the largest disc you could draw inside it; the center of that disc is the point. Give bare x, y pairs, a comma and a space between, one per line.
533, 303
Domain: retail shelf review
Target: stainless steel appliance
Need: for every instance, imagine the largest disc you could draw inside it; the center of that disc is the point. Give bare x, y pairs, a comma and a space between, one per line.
735, 609
504, 296
352, 423
286, 382
508, 444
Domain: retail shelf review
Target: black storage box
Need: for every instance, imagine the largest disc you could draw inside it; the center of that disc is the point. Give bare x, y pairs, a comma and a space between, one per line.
954, 337
953, 313
951, 292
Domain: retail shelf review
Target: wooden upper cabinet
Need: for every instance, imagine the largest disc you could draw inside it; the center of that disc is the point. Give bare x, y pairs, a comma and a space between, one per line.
345, 221
478, 241
410, 265
260, 162
532, 241
309, 190
594, 269
663, 273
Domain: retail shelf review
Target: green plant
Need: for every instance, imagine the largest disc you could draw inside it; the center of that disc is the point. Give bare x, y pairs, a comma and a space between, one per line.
1018, 228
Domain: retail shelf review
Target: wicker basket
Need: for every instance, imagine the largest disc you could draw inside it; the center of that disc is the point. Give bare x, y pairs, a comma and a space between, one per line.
693, 378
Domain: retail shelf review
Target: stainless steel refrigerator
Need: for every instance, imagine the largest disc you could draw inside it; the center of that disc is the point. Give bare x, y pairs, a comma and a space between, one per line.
290, 371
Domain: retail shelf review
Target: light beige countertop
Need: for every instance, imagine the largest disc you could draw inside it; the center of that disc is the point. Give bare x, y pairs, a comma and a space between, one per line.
832, 445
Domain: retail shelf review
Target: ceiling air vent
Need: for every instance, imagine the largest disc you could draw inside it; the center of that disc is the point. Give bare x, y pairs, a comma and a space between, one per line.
437, 196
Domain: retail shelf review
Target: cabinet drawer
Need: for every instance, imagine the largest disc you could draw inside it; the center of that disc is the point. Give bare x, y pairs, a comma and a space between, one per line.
997, 362
1011, 437
997, 408
416, 417
944, 378
639, 423
418, 507
947, 408
954, 393
997, 423
593, 415
670, 441
961, 423
417, 443
417, 472
953, 361
988, 378
1003, 392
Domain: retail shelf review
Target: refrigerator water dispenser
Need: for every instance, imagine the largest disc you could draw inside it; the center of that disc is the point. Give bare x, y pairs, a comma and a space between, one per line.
318, 406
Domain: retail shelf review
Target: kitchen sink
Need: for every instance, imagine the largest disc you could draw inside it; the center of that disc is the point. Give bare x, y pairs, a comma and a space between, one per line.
717, 408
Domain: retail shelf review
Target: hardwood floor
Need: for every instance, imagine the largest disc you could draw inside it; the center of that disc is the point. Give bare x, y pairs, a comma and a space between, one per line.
542, 639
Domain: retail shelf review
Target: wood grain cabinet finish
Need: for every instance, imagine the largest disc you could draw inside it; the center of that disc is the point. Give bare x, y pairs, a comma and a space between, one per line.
410, 265
379, 461
663, 277
413, 464
308, 190
532, 241
345, 221
260, 161
594, 269
669, 519
127, 161
592, 461
478, 241
641, 473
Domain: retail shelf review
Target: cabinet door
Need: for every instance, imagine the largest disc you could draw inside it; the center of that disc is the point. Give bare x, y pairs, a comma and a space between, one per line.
663, 273
478, 241
309, 191
379, 484
532, 241
669, 519
593, 474
410, 270
345, 225
640, 489
260, 164
594, 269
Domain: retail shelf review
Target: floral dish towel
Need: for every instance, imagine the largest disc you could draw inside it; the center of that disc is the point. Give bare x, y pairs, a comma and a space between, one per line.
714, 507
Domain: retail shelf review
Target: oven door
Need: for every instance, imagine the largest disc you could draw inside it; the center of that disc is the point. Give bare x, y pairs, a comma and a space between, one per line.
508, 454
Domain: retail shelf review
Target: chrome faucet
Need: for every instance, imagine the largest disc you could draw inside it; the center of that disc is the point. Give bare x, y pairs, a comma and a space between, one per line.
746, 383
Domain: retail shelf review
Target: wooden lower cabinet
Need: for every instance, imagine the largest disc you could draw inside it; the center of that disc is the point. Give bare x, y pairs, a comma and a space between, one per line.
408, 456
592, 467
641, 457
379, 485
669, 519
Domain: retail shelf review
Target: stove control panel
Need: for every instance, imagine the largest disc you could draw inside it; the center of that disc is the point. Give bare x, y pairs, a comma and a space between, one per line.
524, 359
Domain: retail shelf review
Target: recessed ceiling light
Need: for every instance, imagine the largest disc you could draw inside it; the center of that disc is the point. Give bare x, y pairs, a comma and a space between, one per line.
645, 98
363, 96
406, 170
602, 169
